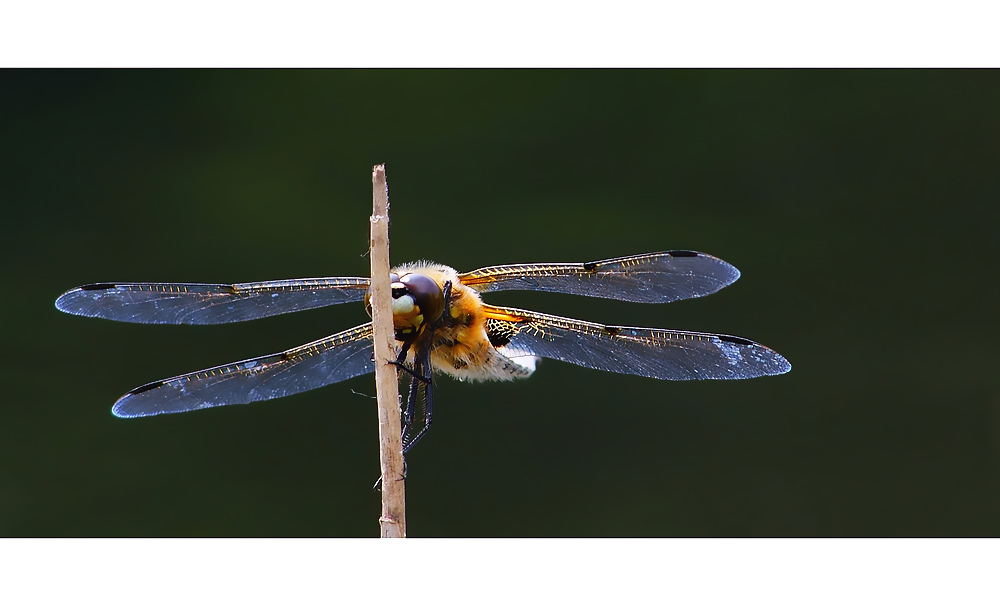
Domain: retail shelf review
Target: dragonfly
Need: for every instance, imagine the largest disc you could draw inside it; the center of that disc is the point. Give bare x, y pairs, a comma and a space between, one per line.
441, 324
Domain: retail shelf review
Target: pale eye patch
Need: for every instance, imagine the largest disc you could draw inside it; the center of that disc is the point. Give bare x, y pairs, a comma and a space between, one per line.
402, 305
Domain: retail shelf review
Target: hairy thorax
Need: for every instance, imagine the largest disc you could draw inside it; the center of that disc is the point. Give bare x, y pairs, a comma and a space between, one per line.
459, 344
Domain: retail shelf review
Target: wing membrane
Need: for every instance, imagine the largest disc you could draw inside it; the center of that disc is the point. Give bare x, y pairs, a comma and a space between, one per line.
650, 278
333, 359
154, 303
648, 352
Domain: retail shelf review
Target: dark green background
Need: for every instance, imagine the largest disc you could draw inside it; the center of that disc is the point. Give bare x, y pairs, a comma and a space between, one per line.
861, 208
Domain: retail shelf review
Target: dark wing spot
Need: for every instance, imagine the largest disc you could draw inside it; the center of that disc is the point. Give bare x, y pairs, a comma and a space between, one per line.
682, 253
612, 330
499, 333
98, 287
736, 340
147, 387
497, 340
590, 267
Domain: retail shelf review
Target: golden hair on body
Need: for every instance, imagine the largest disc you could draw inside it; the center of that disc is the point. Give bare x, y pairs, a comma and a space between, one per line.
460, 346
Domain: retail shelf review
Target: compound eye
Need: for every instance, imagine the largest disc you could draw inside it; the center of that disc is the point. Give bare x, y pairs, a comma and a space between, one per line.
426, 294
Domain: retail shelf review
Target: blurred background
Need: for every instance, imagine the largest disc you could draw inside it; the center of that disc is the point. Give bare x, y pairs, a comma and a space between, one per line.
860, 206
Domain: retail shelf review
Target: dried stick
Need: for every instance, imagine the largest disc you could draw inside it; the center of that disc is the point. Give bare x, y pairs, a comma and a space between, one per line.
393, 519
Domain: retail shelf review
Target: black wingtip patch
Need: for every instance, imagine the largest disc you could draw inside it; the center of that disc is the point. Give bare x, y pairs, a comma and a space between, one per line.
147, 387
737, 340
98, 287
682, 253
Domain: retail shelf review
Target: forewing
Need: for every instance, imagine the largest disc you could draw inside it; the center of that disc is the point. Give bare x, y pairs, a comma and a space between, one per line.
336, 358
648, 352
650, 278
153, 303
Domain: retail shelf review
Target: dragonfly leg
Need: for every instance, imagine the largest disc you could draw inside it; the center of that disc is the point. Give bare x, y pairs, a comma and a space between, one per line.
428, 418
402, 352
411, 405
447, 301
424, 362
416, 374
400, 363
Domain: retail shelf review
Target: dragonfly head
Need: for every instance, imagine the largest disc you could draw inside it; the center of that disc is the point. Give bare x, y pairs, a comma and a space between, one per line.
416, 300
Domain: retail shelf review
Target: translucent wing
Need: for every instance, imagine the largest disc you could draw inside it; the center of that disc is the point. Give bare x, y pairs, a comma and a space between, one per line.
648, 352
336, 358
152, 303
651, 278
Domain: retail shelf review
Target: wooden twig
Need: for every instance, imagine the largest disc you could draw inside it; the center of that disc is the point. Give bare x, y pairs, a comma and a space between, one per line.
393, 519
